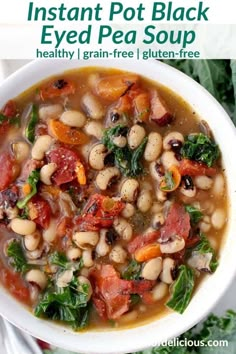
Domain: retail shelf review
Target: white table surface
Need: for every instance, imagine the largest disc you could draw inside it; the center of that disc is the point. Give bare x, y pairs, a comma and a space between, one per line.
228, 301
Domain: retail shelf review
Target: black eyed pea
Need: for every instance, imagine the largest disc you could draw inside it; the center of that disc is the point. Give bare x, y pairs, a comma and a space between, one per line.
64, 278
107, 176
173, 139
12, 212
20, 150
168, 267
159, 291
168, 159
83, 280
128, 317
32, 241
92, 106
94, 129
218, 187
46, 173
203, 182
102, 248
87, 257
118, 254
49, 234
50, 111
123, 228
152, 269
22, 226
37, 277
144, 201
128, 210
189, 193
41, 145
158, 220
161, 195
97, 156
154, 147
73, 118
120, 141
218, 218
135, 136
205, 224
173, 246
156, 171
73, 253
129, 190
85, 239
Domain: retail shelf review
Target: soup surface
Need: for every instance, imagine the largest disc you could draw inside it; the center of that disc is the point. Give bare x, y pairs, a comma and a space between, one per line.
112, 199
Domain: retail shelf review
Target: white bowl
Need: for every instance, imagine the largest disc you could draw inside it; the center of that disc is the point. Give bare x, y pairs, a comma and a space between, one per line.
209, 291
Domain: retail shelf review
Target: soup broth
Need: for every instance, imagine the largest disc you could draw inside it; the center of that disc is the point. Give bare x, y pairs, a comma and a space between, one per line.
113, 201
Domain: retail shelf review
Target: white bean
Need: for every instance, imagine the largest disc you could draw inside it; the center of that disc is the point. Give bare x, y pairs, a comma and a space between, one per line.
73, 118
20, 150
97, 156
205, 224
168, 159
172, 136
12, 212
154, 147
156, 208
92, 106
123, 228
49, 234
36, 276
144, 201
105, 177
128, 317
152, 269
85, 239
128, 210
135, 136
41, 145
95, 129
118, 254
161, 195
218, 218
167, 268
173, 246
73, 253
31, 241
218, 188
102, 248
159, 291
156, 171
83, 280
87, 258
129, 190
189, 193
64, 278
46, 173
120, 141
203, 182
50, 111
23, 226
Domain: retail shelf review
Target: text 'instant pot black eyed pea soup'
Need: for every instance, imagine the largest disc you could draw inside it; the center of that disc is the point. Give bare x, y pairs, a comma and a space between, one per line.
112, 199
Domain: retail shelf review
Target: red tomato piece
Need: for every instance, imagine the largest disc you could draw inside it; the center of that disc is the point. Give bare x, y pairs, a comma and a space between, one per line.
66, 161
177, 223
6, 170
194, 168
40, 211
143, 240
9, 110
15, 285
57, 88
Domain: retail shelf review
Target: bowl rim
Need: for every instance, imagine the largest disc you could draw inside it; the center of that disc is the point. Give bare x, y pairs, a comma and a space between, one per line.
129, 340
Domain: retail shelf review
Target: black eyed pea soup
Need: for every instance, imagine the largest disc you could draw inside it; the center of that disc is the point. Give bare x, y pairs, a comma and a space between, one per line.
113, 203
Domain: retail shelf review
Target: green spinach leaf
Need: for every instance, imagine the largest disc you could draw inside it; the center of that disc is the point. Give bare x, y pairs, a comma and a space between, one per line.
59, 259
194, 213
199, 147
132, 271
17, 257
182, 289
33, 179
30, 129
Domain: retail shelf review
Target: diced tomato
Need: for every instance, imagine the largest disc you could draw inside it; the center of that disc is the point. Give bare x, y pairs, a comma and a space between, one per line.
66, 161
43, 345
99, 212
177, 223
9, 110
159, 111
64, 226
6, 170
57, 88
15, 285
39, 211
194, 168
143, 240
112, 294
